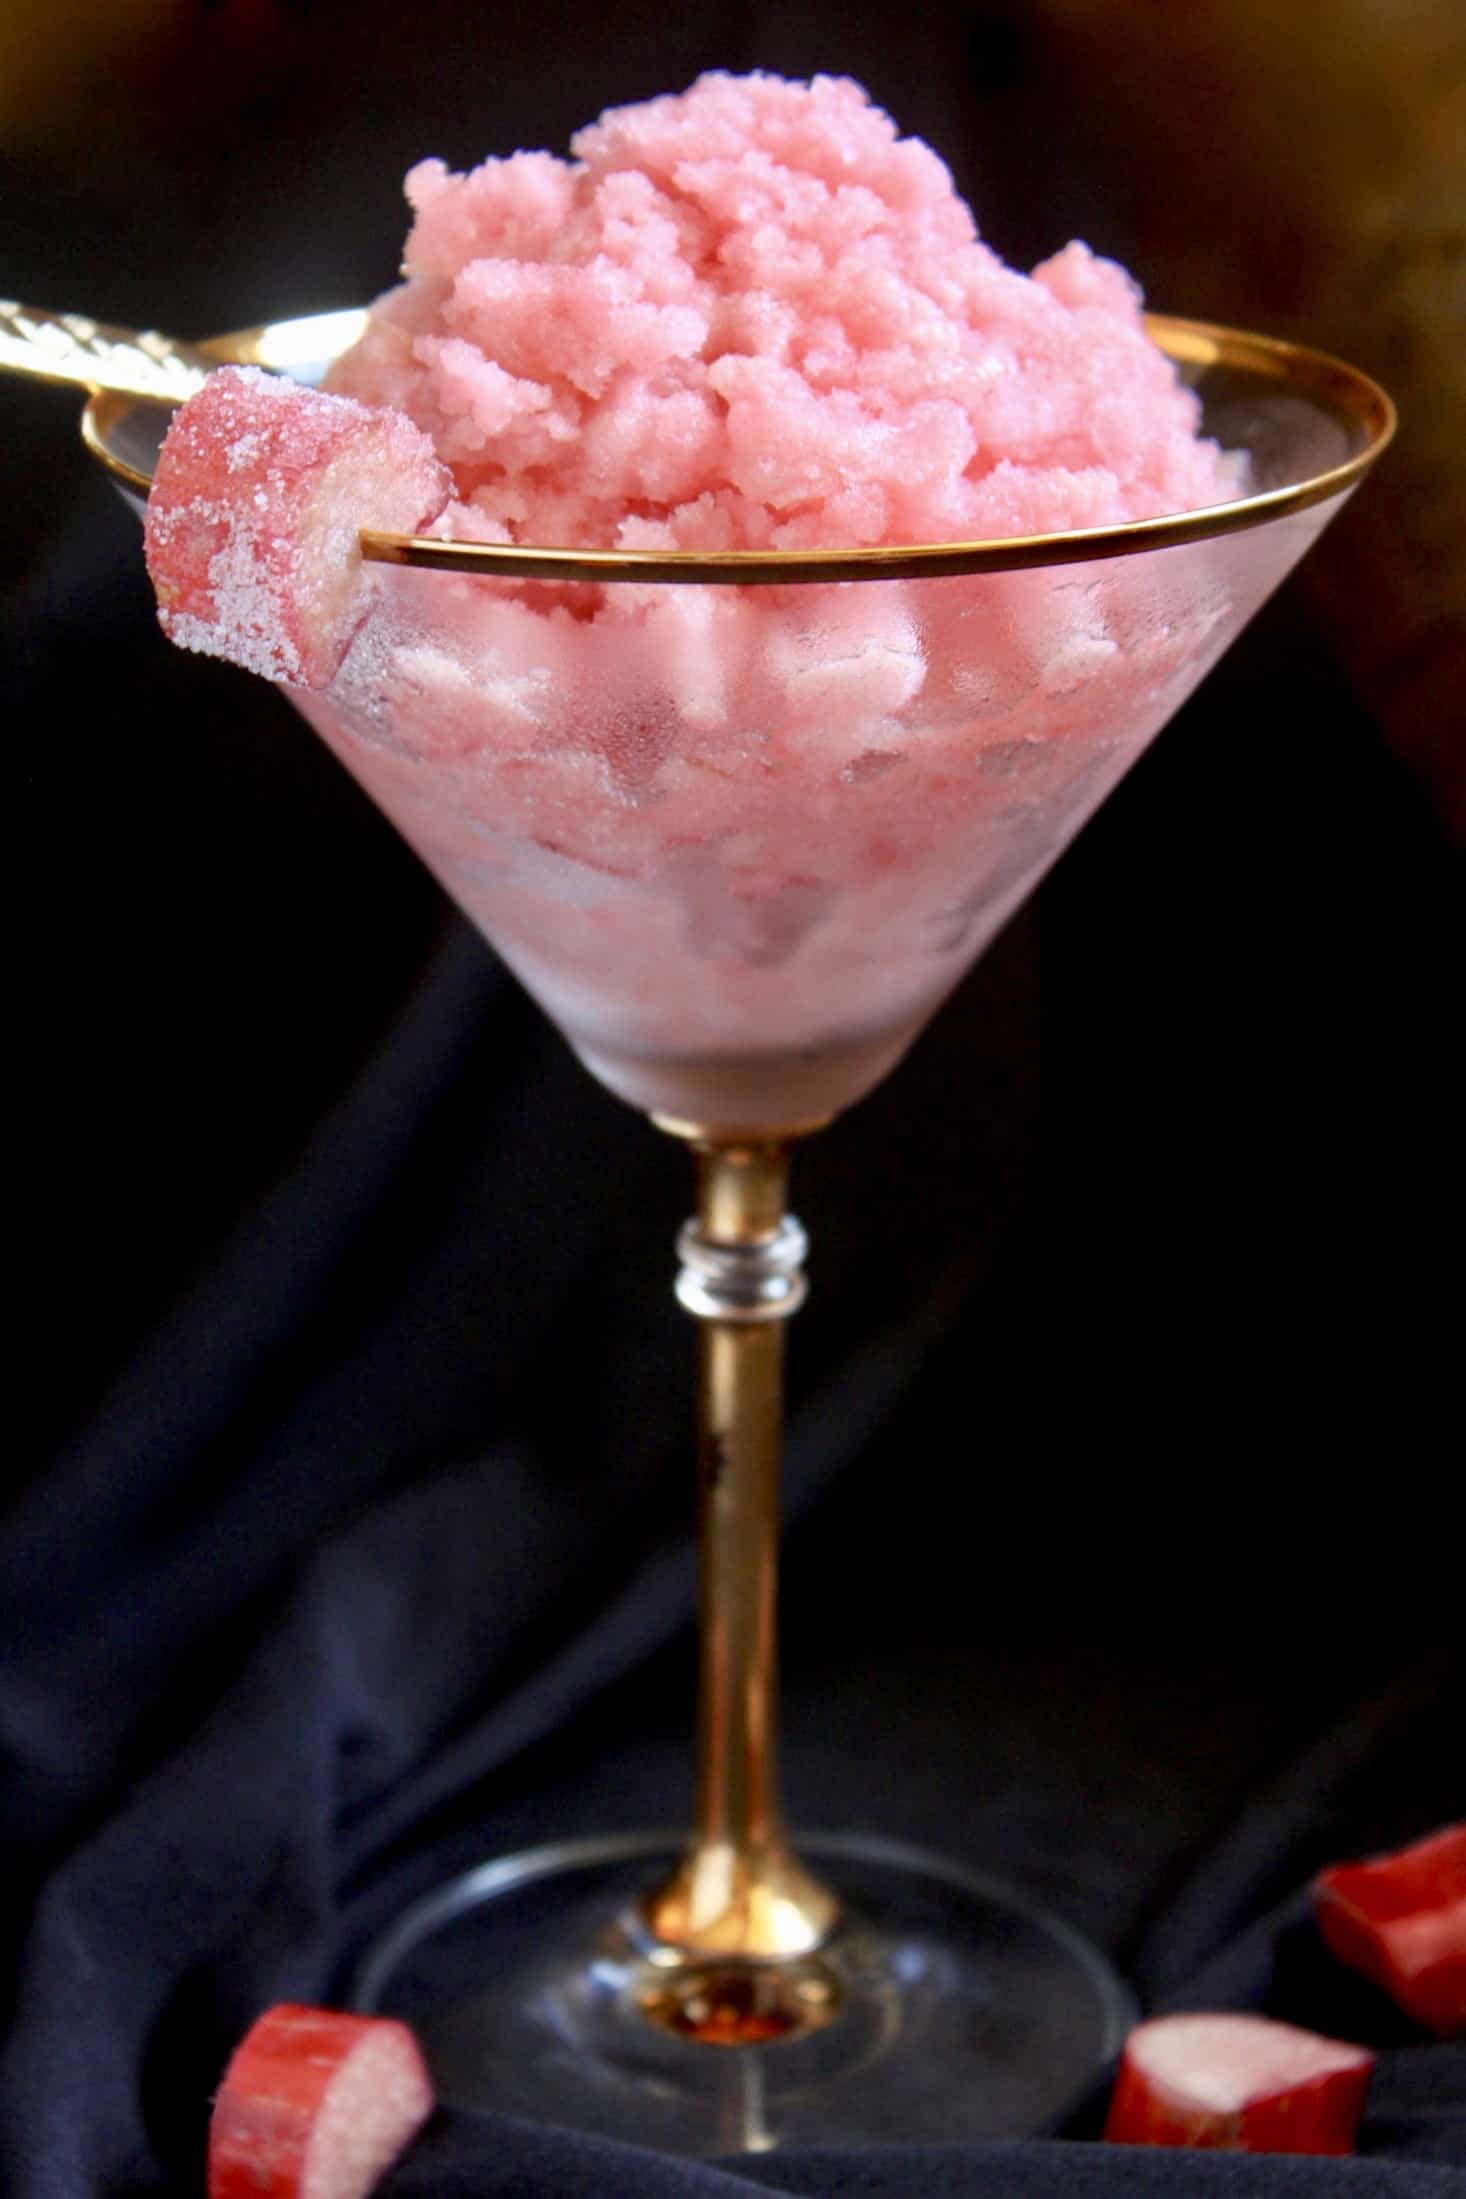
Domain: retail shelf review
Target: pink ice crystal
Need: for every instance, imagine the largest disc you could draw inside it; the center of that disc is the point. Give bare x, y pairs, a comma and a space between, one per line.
740, 840
752, 316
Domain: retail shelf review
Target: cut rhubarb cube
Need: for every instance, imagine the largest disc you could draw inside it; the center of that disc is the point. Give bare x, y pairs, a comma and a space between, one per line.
315, 2105
1401, 1919
260, 488
1240, 2084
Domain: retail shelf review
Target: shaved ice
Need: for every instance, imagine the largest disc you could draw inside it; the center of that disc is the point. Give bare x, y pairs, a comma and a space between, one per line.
739, 840
753, 317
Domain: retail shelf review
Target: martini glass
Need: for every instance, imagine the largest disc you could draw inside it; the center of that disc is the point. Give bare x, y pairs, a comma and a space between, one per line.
739, 823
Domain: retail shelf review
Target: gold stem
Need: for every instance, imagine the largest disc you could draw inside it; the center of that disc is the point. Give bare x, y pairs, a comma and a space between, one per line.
739, 1891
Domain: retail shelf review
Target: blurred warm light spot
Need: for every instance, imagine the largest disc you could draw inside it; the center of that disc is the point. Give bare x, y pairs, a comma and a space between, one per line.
57, 56
82, 78
1304, 167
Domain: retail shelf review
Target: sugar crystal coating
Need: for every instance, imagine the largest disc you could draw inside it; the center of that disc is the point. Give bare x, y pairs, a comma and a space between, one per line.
260, 490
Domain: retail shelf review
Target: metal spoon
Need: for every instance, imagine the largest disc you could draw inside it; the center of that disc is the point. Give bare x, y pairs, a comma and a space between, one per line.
68, 347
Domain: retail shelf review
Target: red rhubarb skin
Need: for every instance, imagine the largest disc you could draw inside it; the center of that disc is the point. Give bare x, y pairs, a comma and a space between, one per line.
247, 460
1319, 2116
1401, 1920
267, 2107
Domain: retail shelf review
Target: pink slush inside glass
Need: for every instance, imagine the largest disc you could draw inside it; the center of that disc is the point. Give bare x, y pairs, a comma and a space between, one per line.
740, 841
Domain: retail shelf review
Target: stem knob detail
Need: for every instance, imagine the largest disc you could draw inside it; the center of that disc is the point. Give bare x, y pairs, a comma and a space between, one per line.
758, 1280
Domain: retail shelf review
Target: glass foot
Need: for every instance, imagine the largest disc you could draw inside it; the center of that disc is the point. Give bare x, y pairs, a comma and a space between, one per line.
946, 2007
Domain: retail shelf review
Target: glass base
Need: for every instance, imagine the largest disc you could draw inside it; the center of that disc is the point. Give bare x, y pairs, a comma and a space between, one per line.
946, 2007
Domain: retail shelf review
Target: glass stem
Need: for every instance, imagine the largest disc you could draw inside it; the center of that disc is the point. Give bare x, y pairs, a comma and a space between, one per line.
739, 1891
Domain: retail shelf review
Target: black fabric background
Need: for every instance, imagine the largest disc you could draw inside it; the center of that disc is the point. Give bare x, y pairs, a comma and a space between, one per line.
347, 1539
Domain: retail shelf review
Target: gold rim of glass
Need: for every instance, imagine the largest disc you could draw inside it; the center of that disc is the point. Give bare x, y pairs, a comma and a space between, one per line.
1350, 397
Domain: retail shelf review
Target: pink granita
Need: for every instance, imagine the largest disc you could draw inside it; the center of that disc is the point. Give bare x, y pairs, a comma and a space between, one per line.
740, 840
754, 317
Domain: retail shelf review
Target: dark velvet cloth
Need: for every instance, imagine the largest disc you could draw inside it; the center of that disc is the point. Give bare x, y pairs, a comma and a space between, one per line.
348, 1537
1125, 1535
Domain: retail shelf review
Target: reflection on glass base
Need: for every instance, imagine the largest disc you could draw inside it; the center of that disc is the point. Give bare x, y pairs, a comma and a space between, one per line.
758, 1089
946, 2007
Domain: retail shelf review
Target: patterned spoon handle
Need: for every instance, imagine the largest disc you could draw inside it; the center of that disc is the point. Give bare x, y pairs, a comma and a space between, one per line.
67, 347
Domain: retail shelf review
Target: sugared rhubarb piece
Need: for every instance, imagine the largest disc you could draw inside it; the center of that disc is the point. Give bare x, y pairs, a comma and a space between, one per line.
260, 488
1401, 1919
1240, 2084
315, 2105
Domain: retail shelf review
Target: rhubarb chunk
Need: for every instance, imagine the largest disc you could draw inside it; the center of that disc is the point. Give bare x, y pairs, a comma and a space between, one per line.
260, 489
315, 2105
1401, 1920
1240, 2084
